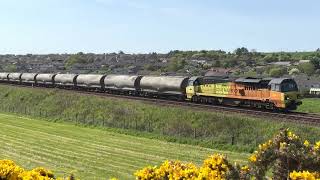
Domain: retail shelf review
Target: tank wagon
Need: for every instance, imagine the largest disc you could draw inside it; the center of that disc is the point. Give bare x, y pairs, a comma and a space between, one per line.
65, 80
268, 93
125, 84
46, 80
14, 77
28, 78
90, 81
159, 86
4, 77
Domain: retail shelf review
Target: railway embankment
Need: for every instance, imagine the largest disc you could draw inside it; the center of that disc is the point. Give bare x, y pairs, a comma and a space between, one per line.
208, 129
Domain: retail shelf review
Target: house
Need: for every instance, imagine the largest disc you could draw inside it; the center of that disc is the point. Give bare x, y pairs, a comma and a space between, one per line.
305, 82
281, 63
220, 72
301, 62
315, 91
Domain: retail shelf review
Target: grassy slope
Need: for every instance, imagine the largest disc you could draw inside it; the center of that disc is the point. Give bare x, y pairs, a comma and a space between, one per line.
213, 130
93, 153
310, 105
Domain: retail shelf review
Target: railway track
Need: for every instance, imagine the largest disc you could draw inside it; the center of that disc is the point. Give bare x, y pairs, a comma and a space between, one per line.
295, 117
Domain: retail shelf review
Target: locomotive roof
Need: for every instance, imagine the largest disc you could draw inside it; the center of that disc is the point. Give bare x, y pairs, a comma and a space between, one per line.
278, 80
251, 80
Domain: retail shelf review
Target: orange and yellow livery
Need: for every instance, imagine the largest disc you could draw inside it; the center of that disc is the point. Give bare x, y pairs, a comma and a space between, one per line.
276, 93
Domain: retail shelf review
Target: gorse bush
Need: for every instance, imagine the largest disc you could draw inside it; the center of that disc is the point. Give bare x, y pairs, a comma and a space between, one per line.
10, 171
286, 155
216, 166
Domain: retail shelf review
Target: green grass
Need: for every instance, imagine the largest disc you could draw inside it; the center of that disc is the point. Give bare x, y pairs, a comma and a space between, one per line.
310, 105
90, 153
218, 130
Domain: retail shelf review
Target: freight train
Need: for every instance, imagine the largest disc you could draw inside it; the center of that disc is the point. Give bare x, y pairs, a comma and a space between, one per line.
264, 93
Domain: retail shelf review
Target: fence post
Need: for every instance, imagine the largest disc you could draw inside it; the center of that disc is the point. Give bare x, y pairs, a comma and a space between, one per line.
77, 118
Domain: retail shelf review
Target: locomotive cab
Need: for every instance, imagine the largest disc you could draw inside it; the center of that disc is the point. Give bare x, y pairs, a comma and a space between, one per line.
192, 88
287, 89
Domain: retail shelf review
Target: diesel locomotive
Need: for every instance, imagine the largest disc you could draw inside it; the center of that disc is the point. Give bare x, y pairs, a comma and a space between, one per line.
265, 93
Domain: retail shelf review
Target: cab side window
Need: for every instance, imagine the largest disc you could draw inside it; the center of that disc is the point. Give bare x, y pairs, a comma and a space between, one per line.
275, 87
196, 83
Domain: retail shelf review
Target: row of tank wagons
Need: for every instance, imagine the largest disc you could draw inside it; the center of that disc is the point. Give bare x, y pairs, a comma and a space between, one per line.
128, 83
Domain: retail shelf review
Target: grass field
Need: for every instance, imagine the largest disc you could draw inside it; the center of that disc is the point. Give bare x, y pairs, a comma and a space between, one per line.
217, 130
90, 153
310, 105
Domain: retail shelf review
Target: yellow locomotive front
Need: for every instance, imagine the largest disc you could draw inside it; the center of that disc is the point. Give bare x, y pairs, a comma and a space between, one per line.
286, 92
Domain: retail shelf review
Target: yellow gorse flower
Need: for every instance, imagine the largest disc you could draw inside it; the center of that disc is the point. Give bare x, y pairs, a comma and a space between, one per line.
292, 136
317, 146
245, 168
283, 145
306, 143
214, 167
304, 175
265, 146
10, 171
254, 156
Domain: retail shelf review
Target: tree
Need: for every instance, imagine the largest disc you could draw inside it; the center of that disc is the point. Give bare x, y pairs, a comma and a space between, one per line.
277, 72
285, 57
270, 58
316, 62
150, 67
10, 68
307, 68
241, 51
294, 71
176, 64
76, 58
217, 63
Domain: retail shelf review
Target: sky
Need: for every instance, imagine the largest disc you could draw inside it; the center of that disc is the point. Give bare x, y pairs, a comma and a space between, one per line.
144, 26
